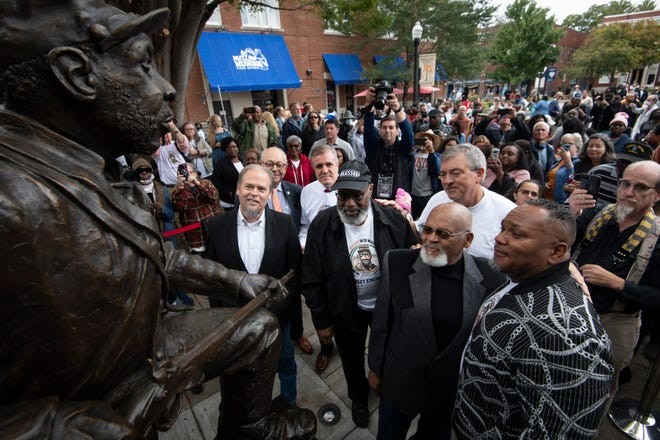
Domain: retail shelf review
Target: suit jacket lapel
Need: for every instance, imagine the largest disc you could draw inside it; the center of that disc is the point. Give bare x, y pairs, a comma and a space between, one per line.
270, 237
420, 285
232, 238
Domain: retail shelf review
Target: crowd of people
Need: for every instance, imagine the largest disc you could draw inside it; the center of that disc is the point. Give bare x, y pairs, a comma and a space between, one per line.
500, 253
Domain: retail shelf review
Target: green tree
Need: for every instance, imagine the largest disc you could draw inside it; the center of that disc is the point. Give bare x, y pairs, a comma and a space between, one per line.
619, 47
450, 30
587, 21
525, 43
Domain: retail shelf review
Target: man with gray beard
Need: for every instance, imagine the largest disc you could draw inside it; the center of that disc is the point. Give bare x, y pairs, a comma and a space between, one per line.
340, 281
428, 300
618, 247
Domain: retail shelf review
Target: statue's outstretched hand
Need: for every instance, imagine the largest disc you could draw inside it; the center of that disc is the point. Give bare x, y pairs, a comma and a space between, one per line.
254, 284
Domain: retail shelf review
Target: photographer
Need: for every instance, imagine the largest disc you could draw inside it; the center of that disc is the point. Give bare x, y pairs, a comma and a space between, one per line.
386, 153
252, 131
195, 200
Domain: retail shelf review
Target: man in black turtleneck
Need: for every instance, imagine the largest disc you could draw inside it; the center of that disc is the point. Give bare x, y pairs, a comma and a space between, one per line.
426, 305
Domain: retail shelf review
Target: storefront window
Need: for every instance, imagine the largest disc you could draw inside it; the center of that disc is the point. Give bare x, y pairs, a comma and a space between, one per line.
268, 17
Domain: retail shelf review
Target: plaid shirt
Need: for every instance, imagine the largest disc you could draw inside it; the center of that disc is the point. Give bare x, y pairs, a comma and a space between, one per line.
196, 205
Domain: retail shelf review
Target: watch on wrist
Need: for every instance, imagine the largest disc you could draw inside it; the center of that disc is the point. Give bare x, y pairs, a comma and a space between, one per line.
399, 110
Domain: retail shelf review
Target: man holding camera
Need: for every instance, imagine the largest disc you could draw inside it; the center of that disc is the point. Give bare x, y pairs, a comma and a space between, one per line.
252, 131
196, 200
617, 249
386, 152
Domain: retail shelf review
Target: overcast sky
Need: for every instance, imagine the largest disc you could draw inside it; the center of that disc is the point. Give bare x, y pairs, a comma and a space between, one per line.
560, 8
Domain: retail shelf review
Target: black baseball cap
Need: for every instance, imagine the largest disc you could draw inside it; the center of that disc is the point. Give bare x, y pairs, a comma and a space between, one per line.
353, 174
635, 152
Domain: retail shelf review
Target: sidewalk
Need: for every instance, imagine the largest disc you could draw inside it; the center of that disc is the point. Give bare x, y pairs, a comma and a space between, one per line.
198, 419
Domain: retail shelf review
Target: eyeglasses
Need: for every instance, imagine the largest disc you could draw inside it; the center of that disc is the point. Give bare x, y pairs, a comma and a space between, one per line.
637, 187
144, 170
279, 165
441, 233
357, 196
313, 117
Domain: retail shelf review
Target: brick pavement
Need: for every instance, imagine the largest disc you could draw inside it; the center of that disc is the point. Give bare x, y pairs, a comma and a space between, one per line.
199, 418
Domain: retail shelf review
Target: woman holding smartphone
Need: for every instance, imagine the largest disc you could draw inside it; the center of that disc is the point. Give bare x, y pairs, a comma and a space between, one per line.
562, 171
506, 167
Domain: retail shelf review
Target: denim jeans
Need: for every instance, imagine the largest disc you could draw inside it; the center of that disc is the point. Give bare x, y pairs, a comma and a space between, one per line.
286, 369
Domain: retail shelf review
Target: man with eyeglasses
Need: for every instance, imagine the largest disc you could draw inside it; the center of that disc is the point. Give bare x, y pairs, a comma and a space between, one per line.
618, 256
338, 284
427, 302
610, 173
462, 168
285, 198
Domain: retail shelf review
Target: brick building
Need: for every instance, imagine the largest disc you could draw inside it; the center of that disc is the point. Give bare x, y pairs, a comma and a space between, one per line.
646, 77
308, 45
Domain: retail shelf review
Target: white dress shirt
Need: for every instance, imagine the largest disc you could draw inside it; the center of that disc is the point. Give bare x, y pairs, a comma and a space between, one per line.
251, 241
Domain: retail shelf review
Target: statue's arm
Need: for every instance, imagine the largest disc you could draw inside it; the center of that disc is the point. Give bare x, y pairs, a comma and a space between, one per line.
49, 418
194, 274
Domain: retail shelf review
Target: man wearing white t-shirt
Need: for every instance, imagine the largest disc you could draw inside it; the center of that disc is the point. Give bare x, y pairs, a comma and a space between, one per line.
170, 156
318, 195
462, 169
342, 271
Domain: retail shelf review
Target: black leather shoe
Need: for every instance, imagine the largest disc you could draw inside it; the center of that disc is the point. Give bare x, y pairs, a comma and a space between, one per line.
360, 413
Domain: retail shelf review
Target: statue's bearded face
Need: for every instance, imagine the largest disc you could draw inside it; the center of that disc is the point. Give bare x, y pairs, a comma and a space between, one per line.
131, 103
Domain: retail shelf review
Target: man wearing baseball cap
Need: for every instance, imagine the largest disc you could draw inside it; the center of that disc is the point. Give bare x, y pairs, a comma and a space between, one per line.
339, 292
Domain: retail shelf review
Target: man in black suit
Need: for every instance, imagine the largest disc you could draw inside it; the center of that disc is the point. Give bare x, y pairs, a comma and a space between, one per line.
259, 240
286, 198
426, 306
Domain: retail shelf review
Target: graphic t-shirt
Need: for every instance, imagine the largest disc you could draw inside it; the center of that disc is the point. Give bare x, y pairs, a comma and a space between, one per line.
364, 260
421, 183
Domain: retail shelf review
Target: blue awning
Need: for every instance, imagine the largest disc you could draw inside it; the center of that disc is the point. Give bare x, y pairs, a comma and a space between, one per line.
345, 68
241, 62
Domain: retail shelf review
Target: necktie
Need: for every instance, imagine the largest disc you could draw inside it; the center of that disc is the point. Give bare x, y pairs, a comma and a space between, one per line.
277, 205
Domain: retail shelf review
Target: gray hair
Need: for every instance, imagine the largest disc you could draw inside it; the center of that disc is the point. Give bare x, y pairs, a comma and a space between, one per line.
256, 166
322, 150
473, 156
293, 138
547, 126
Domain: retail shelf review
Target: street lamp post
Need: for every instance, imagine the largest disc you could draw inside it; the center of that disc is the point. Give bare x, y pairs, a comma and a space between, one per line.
417, 31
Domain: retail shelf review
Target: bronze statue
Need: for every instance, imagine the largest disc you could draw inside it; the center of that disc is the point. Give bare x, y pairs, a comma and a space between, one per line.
88, 348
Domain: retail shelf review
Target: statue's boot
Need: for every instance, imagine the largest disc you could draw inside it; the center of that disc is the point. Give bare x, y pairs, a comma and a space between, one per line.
245, 408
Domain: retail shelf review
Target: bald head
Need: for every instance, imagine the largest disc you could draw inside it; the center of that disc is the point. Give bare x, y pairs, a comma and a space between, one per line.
273, 154
455, 213
648, 167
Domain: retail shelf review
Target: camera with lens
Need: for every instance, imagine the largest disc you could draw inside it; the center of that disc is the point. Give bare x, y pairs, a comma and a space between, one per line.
382, 89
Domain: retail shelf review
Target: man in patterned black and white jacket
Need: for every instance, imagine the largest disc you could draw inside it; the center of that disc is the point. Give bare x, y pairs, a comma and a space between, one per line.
538, 363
